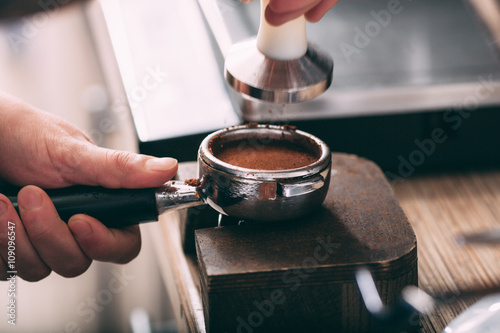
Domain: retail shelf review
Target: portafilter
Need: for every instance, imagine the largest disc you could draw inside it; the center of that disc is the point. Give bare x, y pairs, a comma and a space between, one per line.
241, 193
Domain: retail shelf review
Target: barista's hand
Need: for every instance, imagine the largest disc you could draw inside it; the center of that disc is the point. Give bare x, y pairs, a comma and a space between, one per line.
281, 11
39, 149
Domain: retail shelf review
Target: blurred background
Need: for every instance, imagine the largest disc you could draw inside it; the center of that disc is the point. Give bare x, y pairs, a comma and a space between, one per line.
50, 61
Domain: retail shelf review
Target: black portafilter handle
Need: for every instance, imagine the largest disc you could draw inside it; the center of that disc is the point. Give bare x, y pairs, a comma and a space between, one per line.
115, 208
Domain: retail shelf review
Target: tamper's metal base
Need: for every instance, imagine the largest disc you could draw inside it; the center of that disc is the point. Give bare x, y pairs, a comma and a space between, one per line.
251, 73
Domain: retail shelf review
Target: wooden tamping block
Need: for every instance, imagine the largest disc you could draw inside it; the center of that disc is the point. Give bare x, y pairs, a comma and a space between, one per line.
299, 276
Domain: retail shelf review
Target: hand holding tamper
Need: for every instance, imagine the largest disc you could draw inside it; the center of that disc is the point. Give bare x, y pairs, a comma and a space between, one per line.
279, 65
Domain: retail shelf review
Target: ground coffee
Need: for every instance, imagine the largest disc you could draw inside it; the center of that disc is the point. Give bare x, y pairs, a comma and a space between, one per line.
277, 155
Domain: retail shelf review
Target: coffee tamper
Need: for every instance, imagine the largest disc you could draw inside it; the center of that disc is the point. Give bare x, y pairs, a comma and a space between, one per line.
279, 65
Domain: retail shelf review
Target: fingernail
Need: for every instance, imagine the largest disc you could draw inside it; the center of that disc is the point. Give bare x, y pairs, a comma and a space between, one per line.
80, 228
30, 199
3, 208
161, 164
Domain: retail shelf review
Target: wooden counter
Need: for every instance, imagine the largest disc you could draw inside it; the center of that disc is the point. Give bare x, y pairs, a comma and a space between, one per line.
439, 207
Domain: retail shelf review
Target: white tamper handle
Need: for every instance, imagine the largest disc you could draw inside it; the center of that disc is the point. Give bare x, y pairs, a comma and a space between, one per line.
286, 42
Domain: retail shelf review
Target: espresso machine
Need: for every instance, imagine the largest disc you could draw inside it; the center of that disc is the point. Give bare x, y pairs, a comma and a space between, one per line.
399, 73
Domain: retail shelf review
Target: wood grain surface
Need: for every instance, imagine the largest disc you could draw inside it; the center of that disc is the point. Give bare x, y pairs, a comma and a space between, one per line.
439, 207
311, 261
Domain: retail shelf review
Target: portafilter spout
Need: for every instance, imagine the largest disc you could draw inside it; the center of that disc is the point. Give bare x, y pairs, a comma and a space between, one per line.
279, 65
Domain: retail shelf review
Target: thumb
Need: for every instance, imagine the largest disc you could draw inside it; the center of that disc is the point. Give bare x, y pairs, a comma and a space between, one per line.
97, 166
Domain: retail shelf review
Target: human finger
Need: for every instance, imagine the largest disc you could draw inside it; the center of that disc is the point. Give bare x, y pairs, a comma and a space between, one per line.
317, 12
279, 12
3, 270
113, 168
27, 263
283, 6
103, 244
50, 235
277, 19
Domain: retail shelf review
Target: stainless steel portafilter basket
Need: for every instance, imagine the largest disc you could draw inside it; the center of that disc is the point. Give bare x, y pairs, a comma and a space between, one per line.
279, 65
241, 193
264, 195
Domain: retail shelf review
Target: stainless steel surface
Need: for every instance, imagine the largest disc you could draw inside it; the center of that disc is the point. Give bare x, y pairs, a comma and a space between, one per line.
256, 76
482, 317
415, 300
263, 195
430, 56
418, 56
172, 80
487, 237
369, 292
175, 194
